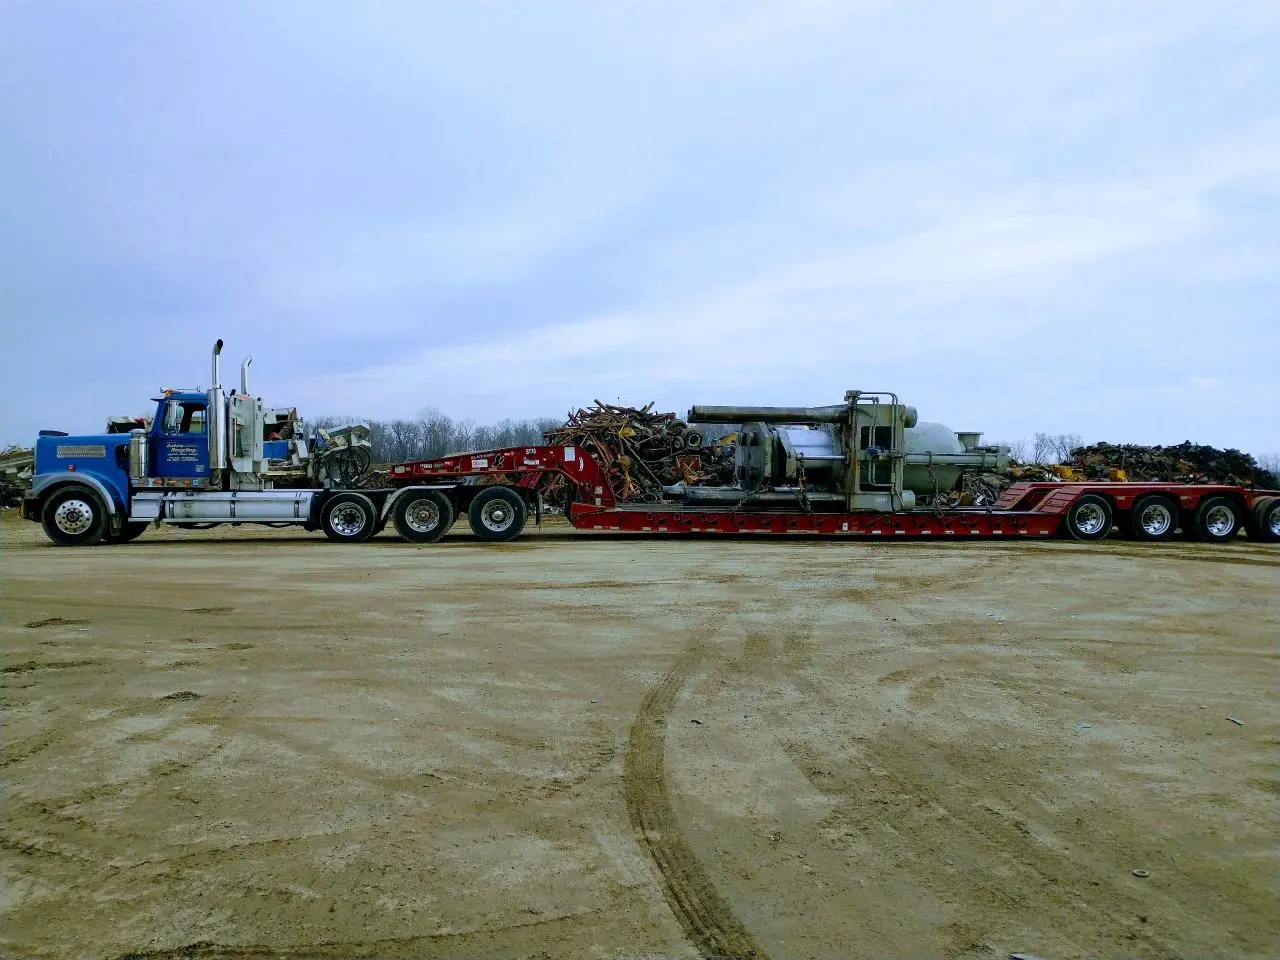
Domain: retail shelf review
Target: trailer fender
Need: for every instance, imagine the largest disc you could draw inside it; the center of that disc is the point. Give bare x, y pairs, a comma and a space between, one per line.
46, 483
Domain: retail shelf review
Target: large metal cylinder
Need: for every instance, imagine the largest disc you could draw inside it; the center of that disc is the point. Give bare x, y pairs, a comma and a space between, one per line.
936, 457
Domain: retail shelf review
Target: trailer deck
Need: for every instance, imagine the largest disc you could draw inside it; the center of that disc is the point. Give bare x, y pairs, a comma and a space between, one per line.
1085, 510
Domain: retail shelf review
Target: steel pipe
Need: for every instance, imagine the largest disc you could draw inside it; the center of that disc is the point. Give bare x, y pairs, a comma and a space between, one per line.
834, 414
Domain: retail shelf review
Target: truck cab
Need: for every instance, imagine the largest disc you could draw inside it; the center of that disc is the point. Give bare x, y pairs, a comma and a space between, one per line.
178, 443
204, 458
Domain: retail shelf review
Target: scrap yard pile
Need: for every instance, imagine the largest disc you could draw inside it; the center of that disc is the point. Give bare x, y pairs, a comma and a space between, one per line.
17, 465
1186, 463
642, 451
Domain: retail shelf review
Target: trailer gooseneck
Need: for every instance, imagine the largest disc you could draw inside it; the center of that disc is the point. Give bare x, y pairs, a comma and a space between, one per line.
860, 468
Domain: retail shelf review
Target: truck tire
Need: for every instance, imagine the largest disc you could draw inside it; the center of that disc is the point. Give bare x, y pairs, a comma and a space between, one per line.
129, 531
1153, 518
348, 518
1263, 522
423, 516
1089, 518
497, 514
74, 517
1216, 521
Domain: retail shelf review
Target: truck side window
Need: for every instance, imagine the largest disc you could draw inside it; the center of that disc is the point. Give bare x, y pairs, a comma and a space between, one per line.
182, 417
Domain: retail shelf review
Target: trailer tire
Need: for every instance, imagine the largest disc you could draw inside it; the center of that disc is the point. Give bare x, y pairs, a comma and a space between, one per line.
1216, 521
1089, 518
348, 518
1263, 522
74, 516
1154, 518
497, 514
423, 516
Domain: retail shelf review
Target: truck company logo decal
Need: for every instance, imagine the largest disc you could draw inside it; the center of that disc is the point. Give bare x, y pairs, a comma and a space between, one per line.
69, 450
182, 453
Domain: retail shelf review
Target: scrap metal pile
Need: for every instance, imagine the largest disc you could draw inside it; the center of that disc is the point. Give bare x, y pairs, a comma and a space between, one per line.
641, 451
1185, 463
17, 464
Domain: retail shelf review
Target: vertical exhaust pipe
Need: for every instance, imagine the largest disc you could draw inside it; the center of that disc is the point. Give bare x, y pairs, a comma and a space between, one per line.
216, 417
217, 366
244, 375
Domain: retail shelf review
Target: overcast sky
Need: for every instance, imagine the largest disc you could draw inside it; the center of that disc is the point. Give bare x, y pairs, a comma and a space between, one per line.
1058, 216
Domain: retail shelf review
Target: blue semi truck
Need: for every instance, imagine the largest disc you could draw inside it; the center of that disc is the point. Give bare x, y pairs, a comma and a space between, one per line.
213, 457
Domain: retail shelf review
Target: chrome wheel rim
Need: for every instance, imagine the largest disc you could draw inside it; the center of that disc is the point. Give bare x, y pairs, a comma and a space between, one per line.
73, 517
1156, 519
1090, 518
1220, 521
422, 516
1274, 525
497, 515
347, 519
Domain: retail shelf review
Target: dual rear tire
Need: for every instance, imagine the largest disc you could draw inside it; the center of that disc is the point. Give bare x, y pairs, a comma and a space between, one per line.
496, 514
1216, 520
1155, 518
1263, 520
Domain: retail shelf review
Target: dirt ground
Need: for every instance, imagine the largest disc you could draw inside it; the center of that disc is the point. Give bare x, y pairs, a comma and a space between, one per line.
261, 744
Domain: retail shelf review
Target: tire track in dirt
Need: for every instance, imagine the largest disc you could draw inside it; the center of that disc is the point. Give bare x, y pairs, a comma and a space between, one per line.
704, 915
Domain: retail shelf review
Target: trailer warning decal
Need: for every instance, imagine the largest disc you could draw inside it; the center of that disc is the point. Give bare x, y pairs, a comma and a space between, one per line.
69, 450
479, 463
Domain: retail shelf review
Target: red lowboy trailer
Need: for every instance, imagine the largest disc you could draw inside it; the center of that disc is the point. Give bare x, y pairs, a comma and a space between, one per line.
498, 488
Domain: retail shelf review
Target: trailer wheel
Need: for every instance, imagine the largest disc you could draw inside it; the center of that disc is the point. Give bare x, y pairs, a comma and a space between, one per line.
74, 517
348, 518
1217, 520
1263, 522
1089, 518
423, 516
129, 531
1154, 518
497, 514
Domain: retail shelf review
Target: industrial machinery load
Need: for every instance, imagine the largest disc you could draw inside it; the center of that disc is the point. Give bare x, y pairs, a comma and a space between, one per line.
869, 453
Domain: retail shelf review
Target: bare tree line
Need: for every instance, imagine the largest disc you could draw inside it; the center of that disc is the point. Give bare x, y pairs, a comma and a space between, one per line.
433, 434
1045, 448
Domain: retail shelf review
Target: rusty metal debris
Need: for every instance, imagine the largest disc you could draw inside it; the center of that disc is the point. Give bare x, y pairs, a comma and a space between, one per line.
17, 465
1186, 462
640, 451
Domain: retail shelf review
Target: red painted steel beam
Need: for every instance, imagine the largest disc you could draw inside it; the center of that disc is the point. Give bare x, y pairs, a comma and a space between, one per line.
948, 524
571, 462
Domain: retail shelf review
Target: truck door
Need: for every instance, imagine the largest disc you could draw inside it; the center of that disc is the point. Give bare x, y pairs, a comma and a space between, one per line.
180, 442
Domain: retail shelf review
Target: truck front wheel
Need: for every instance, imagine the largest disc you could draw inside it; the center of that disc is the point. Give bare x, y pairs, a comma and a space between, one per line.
74, 517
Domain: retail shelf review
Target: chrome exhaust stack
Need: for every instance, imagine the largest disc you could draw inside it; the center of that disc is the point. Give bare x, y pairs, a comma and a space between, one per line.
244, 375
216, 417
